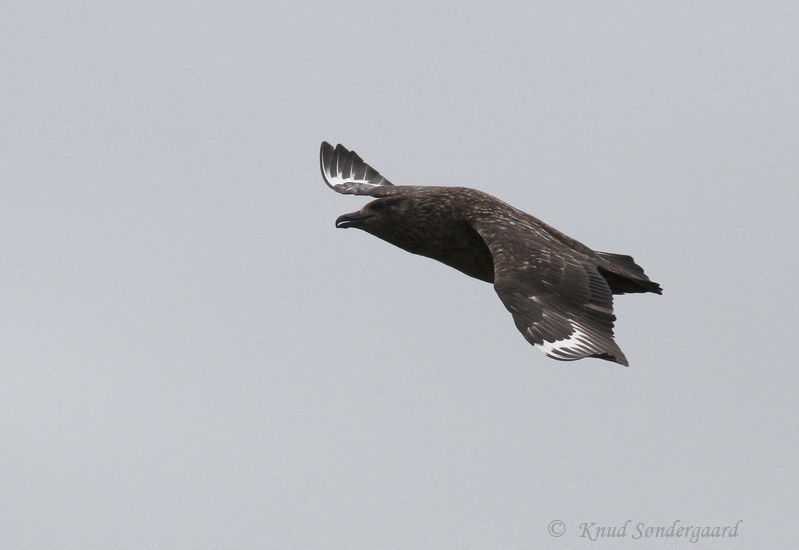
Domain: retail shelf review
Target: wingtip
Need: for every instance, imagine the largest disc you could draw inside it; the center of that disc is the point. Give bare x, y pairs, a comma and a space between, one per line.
324, 152
617, 358
620, 358
345, 172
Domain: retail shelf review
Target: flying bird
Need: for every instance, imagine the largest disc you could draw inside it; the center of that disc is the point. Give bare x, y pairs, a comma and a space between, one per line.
559, 291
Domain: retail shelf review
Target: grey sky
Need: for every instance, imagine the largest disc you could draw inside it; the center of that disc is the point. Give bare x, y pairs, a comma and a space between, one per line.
194, 357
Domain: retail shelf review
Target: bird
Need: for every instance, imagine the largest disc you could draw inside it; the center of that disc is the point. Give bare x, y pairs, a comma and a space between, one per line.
558, 290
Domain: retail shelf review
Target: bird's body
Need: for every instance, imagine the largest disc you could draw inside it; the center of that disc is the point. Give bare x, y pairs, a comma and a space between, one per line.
558, 290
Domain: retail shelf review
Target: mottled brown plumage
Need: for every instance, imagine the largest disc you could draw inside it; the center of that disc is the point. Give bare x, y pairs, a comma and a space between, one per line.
558, 290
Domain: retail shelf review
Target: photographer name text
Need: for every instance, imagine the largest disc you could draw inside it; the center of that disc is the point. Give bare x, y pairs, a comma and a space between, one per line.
641, 530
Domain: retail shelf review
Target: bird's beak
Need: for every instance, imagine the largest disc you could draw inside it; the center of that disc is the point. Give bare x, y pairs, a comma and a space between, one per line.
355, 219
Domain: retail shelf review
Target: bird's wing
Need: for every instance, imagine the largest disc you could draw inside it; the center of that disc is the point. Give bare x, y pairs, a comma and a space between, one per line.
344, 171
560, 302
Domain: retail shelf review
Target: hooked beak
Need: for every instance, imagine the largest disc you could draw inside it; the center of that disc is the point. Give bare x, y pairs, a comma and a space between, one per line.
355, 219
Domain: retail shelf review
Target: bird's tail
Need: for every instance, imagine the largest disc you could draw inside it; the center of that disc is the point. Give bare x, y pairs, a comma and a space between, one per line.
624, 275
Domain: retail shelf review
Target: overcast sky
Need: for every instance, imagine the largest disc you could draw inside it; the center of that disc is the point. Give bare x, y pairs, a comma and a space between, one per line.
192, 356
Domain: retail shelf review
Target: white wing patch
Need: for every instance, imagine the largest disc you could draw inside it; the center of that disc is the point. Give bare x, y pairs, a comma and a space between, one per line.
577, 343
344, 171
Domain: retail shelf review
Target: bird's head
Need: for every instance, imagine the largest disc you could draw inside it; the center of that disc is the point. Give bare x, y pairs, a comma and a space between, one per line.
379, 216
399, 219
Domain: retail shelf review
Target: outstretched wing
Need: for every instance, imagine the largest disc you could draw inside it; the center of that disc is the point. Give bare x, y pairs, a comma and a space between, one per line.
559, 301
344, 171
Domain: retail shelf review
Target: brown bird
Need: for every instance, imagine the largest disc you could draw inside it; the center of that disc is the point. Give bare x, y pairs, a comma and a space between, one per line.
559, 291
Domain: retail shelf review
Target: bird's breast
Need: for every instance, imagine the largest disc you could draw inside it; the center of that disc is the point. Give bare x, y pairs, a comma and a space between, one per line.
461, 248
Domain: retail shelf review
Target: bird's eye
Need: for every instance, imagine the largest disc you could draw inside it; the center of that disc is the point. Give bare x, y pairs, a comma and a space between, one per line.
379, 205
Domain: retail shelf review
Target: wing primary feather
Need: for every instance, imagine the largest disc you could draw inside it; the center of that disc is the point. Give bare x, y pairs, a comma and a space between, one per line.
346, 172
